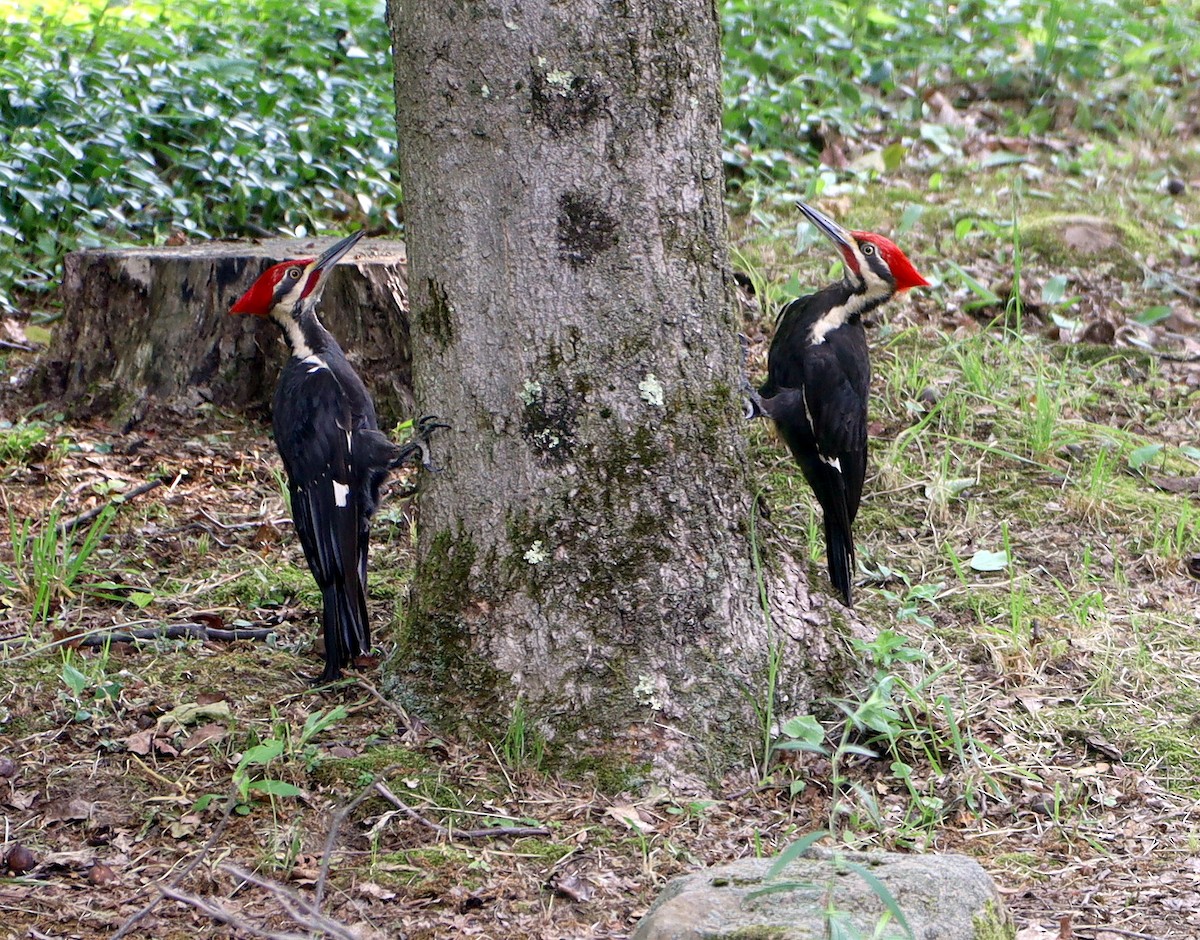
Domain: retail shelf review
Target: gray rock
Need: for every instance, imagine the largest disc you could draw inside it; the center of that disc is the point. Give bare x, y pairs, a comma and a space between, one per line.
943, 897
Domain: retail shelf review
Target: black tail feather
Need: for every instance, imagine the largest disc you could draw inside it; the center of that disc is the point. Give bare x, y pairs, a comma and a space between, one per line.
839, 548
346, 628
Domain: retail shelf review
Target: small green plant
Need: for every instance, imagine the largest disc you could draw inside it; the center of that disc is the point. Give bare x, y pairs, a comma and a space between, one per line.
908, 604
523, 745
19, 442
250, 777
88, 687
51, 566
838, 925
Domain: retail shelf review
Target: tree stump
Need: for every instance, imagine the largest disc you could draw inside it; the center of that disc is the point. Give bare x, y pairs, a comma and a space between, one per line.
150, 325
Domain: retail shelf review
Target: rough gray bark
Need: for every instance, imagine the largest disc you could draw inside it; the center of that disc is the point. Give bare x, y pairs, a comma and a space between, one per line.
145, 324
586, 548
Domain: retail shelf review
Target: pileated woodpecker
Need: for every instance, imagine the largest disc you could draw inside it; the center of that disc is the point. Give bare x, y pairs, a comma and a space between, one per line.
818, 375
334, 454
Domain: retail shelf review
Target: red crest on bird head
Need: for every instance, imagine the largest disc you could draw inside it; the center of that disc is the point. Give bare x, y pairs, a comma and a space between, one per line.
903, 271
259, 299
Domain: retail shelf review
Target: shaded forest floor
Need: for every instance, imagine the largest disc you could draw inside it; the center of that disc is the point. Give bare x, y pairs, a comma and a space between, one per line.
1030, 538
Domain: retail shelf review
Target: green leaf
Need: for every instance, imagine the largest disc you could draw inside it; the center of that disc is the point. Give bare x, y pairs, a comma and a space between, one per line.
1141, 456
1002, 158
804, 728
893, 158
75, 680
987, 297
1148, 317
911, 215
142, 599
881, 18
983, 560
274, 788
320, 721
793, 852
1054, 289
882, 892
261, 754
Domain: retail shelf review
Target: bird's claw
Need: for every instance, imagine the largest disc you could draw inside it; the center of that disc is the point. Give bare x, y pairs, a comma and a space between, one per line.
752, 403
425, 428
428, 424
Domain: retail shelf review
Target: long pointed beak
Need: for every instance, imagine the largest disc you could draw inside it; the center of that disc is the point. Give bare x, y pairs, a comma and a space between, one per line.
335, 252
829, 228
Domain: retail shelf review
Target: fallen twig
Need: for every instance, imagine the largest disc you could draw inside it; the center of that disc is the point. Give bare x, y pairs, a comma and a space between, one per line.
335, 826
297, 908
120, 499
220, 913
177, 631
134, 919
413, 726
1104, 928
490, 833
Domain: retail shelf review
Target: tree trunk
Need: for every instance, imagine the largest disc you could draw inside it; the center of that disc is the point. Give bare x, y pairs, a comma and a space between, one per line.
588, 547
150, 324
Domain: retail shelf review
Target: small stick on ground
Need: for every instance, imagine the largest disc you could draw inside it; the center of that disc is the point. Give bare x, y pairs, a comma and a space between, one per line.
135, 918
413, 726
86, 517
452, 834
1104, 928
335, 826
297, 908
176, 631
225, 916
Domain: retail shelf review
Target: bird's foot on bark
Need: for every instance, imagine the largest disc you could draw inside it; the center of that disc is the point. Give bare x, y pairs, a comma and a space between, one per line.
752, 403
419, 445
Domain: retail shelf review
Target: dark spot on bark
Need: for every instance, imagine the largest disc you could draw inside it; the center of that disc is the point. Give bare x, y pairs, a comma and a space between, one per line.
565, 103
229, 271
549, 419
585, 229
434, 317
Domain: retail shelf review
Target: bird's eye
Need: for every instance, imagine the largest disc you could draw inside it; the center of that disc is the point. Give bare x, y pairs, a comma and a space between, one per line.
293, 273
868, 249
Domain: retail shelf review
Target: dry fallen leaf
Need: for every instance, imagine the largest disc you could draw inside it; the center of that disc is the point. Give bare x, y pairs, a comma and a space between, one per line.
629, 816
66, 810
372, 890
1035, 932
572, 886
205, 734
191, 712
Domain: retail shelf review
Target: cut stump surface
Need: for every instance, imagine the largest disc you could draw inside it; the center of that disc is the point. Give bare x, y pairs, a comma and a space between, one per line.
145, 325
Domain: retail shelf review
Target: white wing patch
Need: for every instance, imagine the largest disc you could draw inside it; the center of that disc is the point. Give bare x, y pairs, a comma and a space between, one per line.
317, 363
340, 492
835, 462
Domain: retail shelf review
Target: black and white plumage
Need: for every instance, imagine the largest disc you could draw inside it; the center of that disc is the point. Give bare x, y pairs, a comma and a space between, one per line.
819, 376
335, 456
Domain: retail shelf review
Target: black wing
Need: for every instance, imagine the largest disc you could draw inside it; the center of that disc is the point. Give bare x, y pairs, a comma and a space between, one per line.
836, 385
785, 358
315, 433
